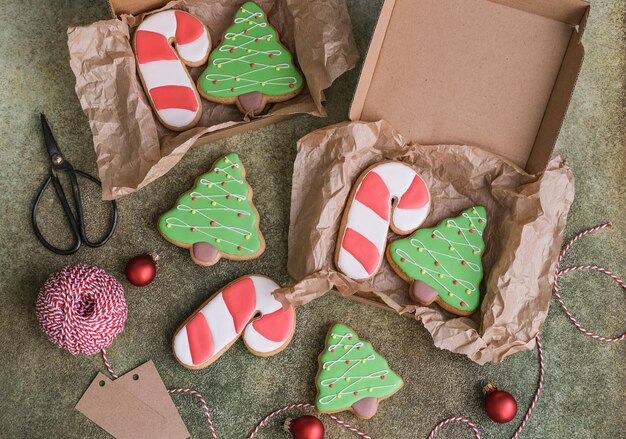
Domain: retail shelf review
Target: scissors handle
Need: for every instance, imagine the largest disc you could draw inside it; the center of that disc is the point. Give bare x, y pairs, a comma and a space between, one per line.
76, 223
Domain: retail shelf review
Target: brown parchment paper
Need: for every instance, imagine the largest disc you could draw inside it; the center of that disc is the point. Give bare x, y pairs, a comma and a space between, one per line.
132, 147
527, 214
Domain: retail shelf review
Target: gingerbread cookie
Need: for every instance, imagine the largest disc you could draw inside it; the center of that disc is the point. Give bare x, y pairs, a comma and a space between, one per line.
250, 67
352, 375
387, 194
217, 217
162, 70
444, 263
234, 310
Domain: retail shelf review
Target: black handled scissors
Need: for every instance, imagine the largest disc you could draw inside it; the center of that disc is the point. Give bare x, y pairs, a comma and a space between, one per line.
76, 221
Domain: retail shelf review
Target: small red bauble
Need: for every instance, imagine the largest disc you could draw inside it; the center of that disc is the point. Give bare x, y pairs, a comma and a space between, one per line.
305, 427
499, 405
141, 270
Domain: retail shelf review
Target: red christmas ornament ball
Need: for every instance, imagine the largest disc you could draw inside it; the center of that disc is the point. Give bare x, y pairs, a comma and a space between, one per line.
141, 270
499, 405
305, 427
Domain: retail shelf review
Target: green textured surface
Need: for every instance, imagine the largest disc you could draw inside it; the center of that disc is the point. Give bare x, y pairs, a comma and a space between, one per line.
447, 262
585, 387
242, 64
217, 210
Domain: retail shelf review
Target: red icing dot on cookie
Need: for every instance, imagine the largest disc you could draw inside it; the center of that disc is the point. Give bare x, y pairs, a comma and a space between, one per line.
215, 81
291, 86
239, 214
437, 263
256, 40
471, 230
271, 55
455, 282
223, 183
257, 16
433, 236
331, 386
228, 197
235, 166
356, 393
193, 229
350, 338
382, 377
194, 198
480, 220
212, 223
232, 50
347, 361
252, 65
358, 348
463, 303
239, 247
245, 31
217, 171
464, 263
460, 232
332, 350
232, 89
403, 259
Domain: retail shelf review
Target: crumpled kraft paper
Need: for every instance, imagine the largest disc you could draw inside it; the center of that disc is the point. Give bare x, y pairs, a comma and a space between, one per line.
132, 147
527, 214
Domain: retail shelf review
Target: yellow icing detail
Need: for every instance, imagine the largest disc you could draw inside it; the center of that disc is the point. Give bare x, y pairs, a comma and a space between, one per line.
228, 177
339, 395
226, 160
328, 368
237, 79
347, 379
420, 249
213, 203
468, 291
370, 390
450, 294
475, 252
278, 69
263, 84
210, 185
249, 51
193, 212
423, 271
219, 66
168, 225
218, 240
451, 248
448, 225
441, 276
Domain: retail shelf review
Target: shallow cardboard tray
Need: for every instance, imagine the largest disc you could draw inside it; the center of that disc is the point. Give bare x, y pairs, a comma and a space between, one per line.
497, 74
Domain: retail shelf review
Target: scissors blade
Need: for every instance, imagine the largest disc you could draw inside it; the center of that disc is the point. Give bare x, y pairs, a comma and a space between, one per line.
51, 145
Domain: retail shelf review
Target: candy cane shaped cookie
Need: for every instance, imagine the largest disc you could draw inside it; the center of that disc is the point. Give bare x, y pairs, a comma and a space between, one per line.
168, 85
233, 310
387, 194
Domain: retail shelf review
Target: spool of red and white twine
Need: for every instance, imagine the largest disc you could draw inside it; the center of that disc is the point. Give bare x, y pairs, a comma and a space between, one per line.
82, 309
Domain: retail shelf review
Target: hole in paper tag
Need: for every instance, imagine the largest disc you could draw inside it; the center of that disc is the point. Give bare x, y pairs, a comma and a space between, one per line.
134, 406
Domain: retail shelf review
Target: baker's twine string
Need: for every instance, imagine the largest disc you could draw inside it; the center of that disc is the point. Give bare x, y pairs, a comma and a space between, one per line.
455, 419
558, 272
305, 405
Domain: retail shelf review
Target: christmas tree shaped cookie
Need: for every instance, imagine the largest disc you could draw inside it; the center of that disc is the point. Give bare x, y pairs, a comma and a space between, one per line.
216, 218
443, 263
352, 375
250, 67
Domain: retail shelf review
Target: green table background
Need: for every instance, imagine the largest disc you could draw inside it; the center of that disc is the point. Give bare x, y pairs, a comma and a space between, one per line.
585, 388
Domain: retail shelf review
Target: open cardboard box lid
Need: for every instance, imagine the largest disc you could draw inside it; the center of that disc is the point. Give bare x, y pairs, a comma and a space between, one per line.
497, 74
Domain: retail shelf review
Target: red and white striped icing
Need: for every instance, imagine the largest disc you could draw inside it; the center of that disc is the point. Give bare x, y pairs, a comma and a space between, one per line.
220, 322
369, 216
172, 92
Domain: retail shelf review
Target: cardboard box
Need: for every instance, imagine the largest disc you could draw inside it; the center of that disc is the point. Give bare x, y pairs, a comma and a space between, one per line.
497, 74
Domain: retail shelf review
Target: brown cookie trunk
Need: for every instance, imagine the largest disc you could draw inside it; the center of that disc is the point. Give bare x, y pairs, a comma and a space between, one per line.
205, 252
423, 293
251, 103
365, 408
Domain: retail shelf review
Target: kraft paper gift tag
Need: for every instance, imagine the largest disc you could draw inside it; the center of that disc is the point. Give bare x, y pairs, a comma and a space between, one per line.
134, 406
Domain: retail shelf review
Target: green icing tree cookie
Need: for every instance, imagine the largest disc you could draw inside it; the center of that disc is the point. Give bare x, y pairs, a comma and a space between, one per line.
352, 376
444, 263
216, 218
250, 67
